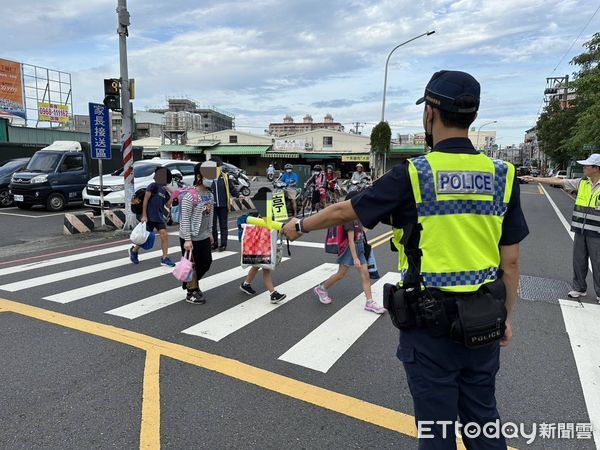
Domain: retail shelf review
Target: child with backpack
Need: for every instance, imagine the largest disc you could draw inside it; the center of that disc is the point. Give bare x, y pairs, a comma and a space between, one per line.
246, 286
351, 252
156, 199
195, 226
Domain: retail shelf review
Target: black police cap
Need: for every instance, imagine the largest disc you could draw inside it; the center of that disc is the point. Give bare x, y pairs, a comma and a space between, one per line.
452, 91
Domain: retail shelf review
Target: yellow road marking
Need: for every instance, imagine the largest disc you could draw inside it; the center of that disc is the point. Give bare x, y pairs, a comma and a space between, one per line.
150, 429
540, 189
299, 390
381, 238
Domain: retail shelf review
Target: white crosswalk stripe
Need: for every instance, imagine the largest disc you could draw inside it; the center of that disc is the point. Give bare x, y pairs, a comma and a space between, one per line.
84, 270
233, 319
327, 343
62, 260
172, 296
319, 350
117, 283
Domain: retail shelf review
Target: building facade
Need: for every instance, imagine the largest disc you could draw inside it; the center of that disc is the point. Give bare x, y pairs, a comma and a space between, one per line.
206, 120
289, 127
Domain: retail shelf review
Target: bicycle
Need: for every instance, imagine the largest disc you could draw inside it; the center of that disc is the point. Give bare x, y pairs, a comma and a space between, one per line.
307, 201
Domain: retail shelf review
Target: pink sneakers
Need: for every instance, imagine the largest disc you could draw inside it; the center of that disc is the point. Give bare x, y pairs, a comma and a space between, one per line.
372, 306
323, 295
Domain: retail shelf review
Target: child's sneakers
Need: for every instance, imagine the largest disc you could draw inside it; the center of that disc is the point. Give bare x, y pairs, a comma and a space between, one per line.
372, 306
323, 295
133, 256
247, 288
276, 297
166, 261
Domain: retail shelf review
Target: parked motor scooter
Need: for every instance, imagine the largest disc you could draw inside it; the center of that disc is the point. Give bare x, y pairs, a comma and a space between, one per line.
241, 182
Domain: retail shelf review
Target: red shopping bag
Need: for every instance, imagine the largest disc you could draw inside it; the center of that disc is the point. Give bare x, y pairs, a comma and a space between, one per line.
259, 247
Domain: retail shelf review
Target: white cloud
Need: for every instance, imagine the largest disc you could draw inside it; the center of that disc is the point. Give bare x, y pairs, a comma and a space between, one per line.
264, 58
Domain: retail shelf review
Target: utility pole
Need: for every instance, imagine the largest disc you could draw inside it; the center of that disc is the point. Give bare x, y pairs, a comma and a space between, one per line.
126, 146
566, 90
356, 126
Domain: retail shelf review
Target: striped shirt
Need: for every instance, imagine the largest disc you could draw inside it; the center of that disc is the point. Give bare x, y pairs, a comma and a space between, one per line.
195, 223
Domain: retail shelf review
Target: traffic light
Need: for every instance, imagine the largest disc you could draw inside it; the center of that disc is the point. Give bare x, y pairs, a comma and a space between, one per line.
112, 94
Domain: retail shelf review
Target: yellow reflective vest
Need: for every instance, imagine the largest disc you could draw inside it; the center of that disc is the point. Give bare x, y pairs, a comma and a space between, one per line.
461, 202
586, 213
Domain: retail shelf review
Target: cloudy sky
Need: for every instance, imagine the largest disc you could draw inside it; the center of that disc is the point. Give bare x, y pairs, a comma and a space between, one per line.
262, 59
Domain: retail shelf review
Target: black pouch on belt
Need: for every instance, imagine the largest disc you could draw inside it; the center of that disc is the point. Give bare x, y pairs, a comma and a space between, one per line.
481, 320
397, 302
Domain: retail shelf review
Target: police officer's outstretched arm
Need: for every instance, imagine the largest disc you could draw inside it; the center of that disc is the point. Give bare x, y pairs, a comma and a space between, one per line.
509, 263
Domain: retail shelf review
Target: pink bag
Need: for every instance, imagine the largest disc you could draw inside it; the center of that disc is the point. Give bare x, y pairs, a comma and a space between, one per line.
183, 270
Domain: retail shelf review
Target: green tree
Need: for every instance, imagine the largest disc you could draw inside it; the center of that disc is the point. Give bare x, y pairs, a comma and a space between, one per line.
563, 133
381, 140
554, 130
586, 130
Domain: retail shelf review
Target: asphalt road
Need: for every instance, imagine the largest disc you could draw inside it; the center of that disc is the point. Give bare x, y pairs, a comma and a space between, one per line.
245, 374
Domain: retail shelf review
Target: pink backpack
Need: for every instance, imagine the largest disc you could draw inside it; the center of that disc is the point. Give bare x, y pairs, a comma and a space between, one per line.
176, 196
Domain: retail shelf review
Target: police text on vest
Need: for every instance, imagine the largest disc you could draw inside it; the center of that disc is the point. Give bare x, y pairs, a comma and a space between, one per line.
465, 183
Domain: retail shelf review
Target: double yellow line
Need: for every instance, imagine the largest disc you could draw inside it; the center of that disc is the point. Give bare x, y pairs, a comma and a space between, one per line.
381, 239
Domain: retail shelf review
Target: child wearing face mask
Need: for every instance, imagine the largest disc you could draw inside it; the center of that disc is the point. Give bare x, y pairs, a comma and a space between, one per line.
195, 233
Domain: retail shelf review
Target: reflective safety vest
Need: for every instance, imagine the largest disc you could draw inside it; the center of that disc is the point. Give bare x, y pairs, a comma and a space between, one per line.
461, 201
586, 214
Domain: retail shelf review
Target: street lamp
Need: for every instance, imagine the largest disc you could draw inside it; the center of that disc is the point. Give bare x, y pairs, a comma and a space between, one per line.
487, 123
428, 33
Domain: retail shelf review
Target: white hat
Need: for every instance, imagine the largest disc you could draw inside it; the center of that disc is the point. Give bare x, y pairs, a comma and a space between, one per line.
593, 160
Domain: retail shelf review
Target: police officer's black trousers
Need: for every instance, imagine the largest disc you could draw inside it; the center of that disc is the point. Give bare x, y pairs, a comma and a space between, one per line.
448, 380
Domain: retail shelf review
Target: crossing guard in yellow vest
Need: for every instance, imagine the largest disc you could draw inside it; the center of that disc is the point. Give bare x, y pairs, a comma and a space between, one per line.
585, 223
457, 223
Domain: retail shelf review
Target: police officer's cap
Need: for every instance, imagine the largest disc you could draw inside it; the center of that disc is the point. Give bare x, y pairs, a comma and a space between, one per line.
452, 91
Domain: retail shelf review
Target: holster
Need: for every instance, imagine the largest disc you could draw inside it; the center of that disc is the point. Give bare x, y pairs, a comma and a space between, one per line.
402, 306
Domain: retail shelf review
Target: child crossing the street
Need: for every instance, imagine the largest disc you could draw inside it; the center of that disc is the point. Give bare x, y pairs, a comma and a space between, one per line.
156, 199
352, 255
246, 286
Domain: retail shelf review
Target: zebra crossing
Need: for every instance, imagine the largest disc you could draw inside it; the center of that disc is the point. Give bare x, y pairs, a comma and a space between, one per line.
341, 330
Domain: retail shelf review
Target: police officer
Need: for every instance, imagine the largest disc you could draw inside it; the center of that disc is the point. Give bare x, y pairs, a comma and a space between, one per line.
457, 224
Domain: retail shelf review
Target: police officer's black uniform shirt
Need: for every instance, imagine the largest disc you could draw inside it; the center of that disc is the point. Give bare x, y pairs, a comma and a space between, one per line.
391, 201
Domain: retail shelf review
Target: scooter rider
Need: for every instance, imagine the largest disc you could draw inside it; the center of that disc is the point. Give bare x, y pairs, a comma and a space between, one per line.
360, 174
290, 178
271, 172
